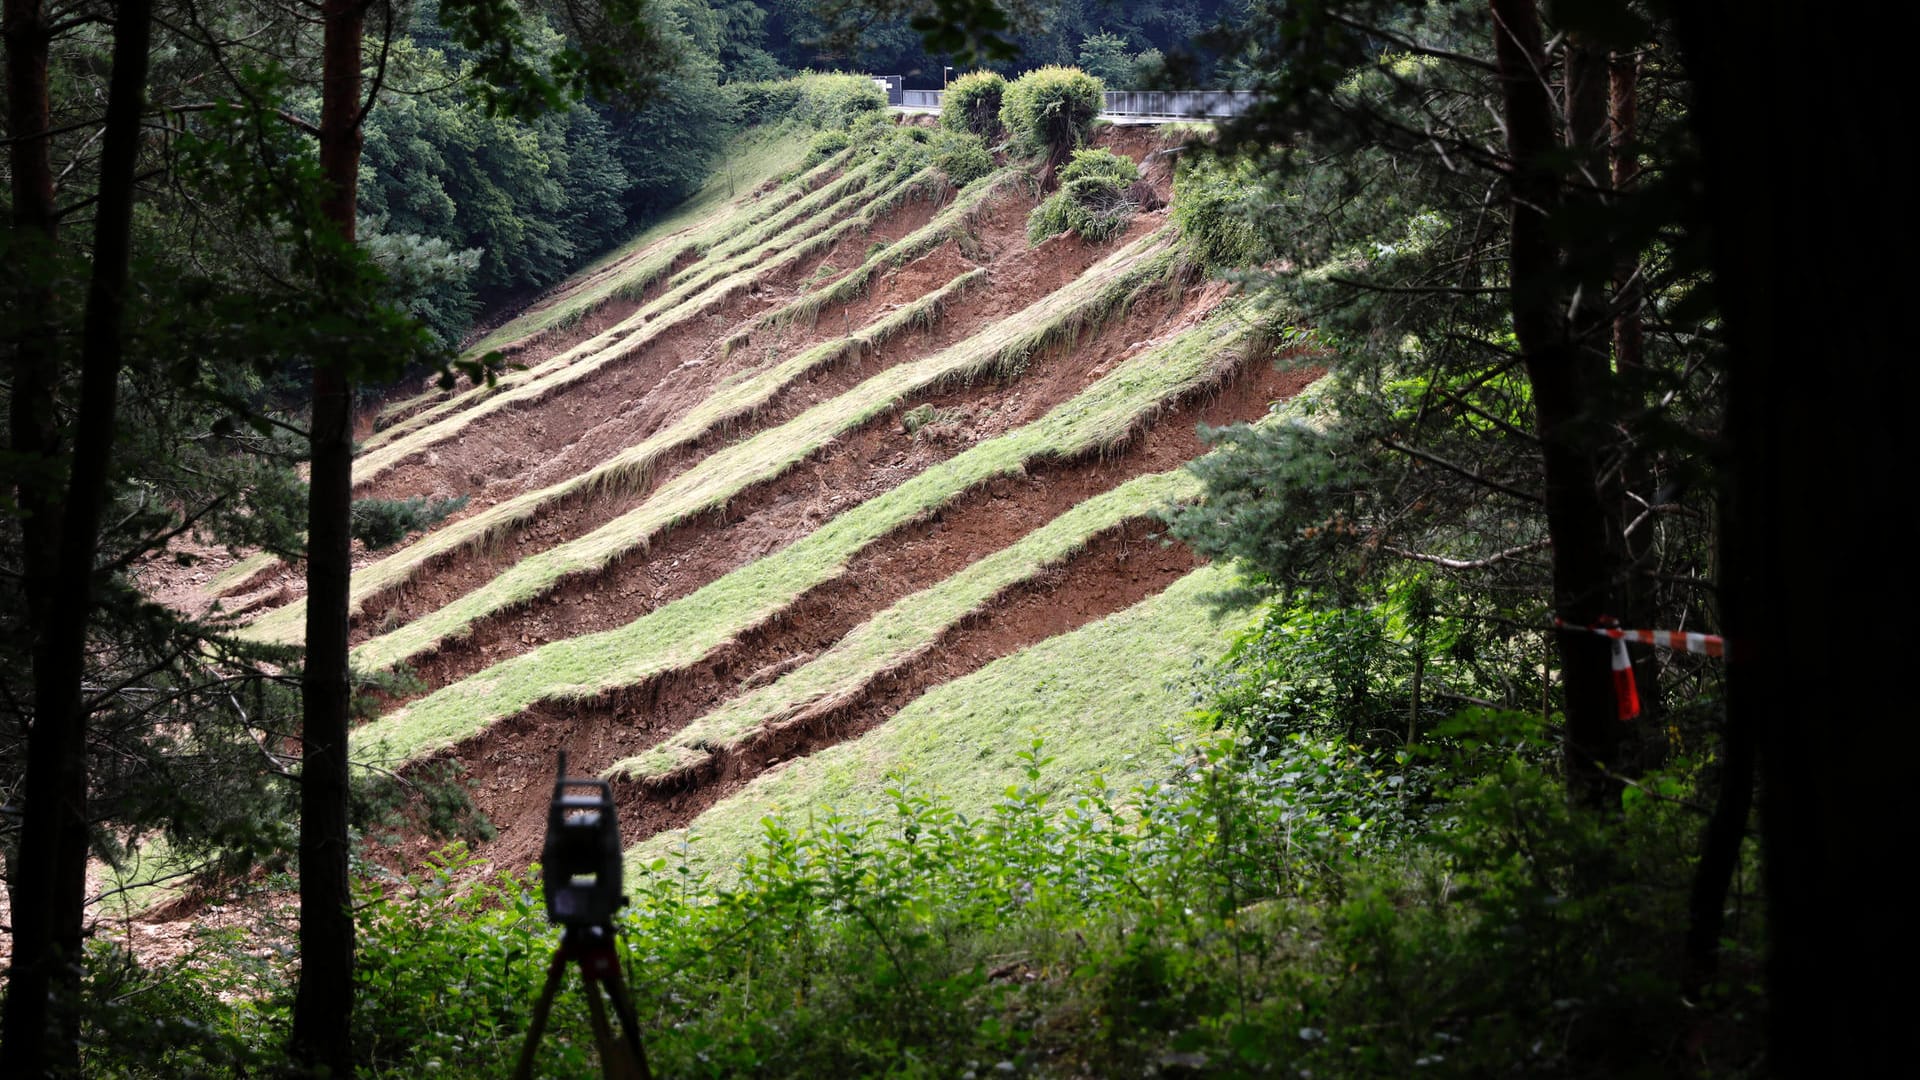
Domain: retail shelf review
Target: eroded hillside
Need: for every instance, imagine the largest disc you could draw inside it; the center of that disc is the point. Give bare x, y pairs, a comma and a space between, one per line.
807, 478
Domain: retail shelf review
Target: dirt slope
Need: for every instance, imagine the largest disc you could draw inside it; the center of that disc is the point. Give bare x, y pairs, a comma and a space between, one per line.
675, 363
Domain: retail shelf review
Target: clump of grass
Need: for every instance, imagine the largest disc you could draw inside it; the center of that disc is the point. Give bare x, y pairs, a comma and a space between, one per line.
972, 104
1093, 201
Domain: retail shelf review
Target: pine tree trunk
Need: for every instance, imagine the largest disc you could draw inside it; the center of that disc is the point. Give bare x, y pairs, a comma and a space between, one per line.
1576, 519
34, 437
323, 1004
1799, 245
49, 917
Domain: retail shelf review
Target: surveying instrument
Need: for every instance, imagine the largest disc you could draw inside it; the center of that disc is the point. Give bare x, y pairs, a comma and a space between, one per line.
581, 879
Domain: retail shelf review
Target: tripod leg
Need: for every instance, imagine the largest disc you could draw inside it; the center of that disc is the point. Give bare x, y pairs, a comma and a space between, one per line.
616, 1063
524, 1071
629, 1023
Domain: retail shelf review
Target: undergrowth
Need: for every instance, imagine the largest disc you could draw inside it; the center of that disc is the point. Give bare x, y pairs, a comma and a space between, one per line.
1312, 910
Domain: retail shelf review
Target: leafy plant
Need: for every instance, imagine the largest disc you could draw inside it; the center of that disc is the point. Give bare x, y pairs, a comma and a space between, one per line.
961, 157
972, 103
1050, 110
1093, 201
1216, 206
379, 523
824, 145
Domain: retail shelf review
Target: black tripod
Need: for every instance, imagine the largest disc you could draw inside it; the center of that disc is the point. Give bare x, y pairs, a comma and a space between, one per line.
592, 948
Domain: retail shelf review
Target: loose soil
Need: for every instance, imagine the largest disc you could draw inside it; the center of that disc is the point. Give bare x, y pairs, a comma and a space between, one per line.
859, 466
575, 428
510, 762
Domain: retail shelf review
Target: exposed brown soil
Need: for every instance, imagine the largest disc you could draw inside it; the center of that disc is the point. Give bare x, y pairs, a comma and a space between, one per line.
1117, 569
577, 427
1047, 383
859, 466
510, 761
573, 429
494, 451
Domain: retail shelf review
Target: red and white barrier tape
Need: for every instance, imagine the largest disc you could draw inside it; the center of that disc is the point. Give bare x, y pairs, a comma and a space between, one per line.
1625, 693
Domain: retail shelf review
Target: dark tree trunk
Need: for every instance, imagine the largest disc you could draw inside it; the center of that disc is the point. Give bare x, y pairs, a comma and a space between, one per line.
1821, 381
33, 435
1562, 392
323, 1005
44, 994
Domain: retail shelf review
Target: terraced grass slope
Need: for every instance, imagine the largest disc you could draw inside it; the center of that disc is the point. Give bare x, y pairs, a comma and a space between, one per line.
830, 479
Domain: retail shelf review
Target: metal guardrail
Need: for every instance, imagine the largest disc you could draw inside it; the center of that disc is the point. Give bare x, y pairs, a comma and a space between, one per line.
1168, 104
1177, 104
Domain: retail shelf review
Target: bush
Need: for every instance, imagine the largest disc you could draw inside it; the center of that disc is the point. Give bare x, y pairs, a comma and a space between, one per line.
872, 131
1092, 202
1102, 165
763, 102
1050, 110
827, 102
972, 104
836, 101
1215, 207
379, 523
824, 145
961, 156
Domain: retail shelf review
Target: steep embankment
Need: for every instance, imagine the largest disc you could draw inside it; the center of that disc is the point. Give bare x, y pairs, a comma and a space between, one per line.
840, 471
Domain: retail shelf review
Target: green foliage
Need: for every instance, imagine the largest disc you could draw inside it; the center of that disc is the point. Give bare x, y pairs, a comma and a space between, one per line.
825, 102
824, 145
961, 157
1106, 57
836, 101
1304, 907
379, 523
522, 196
767, 101
1098, 164
972, 104
1092, 202
435, 802
1217, 206
427, 277
1050, 110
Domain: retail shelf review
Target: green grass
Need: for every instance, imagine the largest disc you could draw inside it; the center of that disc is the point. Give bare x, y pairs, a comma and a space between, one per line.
952, 223
738, 396
755, 157
1106, 698
680, 633
1002, 348
706, 218
688, 301
906, 631
232, 576
808, 208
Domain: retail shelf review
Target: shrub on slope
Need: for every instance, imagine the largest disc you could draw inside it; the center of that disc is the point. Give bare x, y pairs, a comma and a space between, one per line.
972, 102
1092, 202
1050, 110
